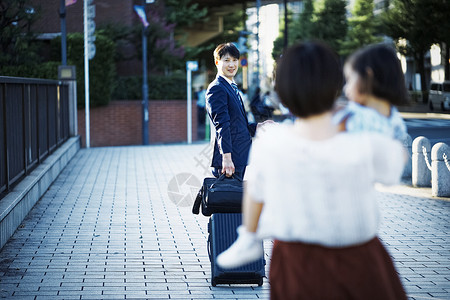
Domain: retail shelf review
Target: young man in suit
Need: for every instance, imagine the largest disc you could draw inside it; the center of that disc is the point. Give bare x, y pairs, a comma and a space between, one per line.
231, 131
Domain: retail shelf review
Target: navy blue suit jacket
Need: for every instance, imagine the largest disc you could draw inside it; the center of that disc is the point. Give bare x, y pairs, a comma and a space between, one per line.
230, 128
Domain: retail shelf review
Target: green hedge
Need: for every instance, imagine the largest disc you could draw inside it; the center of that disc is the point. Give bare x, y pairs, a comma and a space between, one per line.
101, 67
160, 87
104, 84
48, 70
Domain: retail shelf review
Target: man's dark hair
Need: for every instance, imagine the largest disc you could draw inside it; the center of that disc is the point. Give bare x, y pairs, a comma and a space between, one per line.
380, 73
226, 48
309, 79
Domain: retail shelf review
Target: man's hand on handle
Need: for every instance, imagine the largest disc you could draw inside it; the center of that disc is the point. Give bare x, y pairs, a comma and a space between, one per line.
227, 164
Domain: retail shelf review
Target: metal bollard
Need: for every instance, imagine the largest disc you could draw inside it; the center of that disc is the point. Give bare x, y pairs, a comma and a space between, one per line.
421, 167
440, 170
407, 143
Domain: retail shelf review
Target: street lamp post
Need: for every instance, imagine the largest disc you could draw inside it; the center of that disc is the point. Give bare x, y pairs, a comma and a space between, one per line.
144, 88
190, 66
140, 10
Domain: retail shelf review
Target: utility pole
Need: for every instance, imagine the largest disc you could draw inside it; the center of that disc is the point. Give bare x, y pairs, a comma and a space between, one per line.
62, 15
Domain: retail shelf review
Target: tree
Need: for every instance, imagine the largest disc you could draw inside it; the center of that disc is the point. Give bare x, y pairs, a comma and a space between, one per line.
443, 13
101, 67
300, 29
183, 13
319, 20
303, 27
165, 52
331, 23
416, 22
362, 28
16, 17
278, 44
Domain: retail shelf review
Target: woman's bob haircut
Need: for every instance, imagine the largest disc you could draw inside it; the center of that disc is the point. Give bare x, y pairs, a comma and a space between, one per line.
309, 79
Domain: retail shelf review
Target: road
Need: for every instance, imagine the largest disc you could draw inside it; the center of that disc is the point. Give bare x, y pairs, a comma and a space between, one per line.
435, 127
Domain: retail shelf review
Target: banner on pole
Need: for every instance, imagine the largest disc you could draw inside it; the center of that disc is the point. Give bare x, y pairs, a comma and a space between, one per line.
140, 10
70, 2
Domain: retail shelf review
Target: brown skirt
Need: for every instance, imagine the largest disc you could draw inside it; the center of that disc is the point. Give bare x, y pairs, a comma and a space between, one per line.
304, 271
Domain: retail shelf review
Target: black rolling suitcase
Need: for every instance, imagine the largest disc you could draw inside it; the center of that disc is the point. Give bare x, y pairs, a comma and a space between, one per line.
222, 233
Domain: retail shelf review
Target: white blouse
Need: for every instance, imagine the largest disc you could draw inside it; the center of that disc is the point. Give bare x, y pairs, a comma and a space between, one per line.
320, 192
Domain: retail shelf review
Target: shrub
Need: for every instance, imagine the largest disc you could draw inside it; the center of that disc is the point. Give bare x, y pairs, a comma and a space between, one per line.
47, 70
101, 67
171, 87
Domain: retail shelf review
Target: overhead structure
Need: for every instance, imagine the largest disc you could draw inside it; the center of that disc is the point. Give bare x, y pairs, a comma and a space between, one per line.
217, 10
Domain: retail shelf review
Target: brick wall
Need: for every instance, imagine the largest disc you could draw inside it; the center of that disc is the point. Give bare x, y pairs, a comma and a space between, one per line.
120, 123
119, 11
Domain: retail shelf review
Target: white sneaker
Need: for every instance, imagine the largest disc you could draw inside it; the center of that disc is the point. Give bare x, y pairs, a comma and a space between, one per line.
246, 249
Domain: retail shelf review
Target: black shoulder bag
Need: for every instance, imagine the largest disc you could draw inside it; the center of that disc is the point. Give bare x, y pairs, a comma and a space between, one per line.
219, 195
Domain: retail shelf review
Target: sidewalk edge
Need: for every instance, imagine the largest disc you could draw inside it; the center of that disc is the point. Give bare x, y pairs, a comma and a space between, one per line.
17, 204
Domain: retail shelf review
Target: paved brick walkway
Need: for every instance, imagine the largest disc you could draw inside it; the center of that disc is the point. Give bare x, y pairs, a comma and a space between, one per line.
116, 225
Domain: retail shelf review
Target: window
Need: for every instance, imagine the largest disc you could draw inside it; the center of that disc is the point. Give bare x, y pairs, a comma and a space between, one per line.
435, 87
447, 87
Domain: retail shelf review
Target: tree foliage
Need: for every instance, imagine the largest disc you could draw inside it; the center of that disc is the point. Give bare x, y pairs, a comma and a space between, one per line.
184, 13
443, 34
414, 26
362, 28
166, 53
330, 25
299, 29
278, 44
166, 20
16, 17
303, 27
320, 20
101, 67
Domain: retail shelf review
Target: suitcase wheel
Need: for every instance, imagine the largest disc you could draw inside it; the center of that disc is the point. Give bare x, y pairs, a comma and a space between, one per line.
213, 282
260, 283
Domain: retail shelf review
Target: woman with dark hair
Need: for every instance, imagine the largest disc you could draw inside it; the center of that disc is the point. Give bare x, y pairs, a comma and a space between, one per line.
310, 187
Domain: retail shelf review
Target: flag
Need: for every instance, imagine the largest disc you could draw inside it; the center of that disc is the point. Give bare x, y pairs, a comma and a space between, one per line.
141, 13
70, 2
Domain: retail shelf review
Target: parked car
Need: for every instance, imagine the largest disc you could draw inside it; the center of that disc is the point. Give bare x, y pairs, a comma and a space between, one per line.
439, 96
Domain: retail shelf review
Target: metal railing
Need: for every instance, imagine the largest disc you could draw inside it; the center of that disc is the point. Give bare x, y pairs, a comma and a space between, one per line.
34, 121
